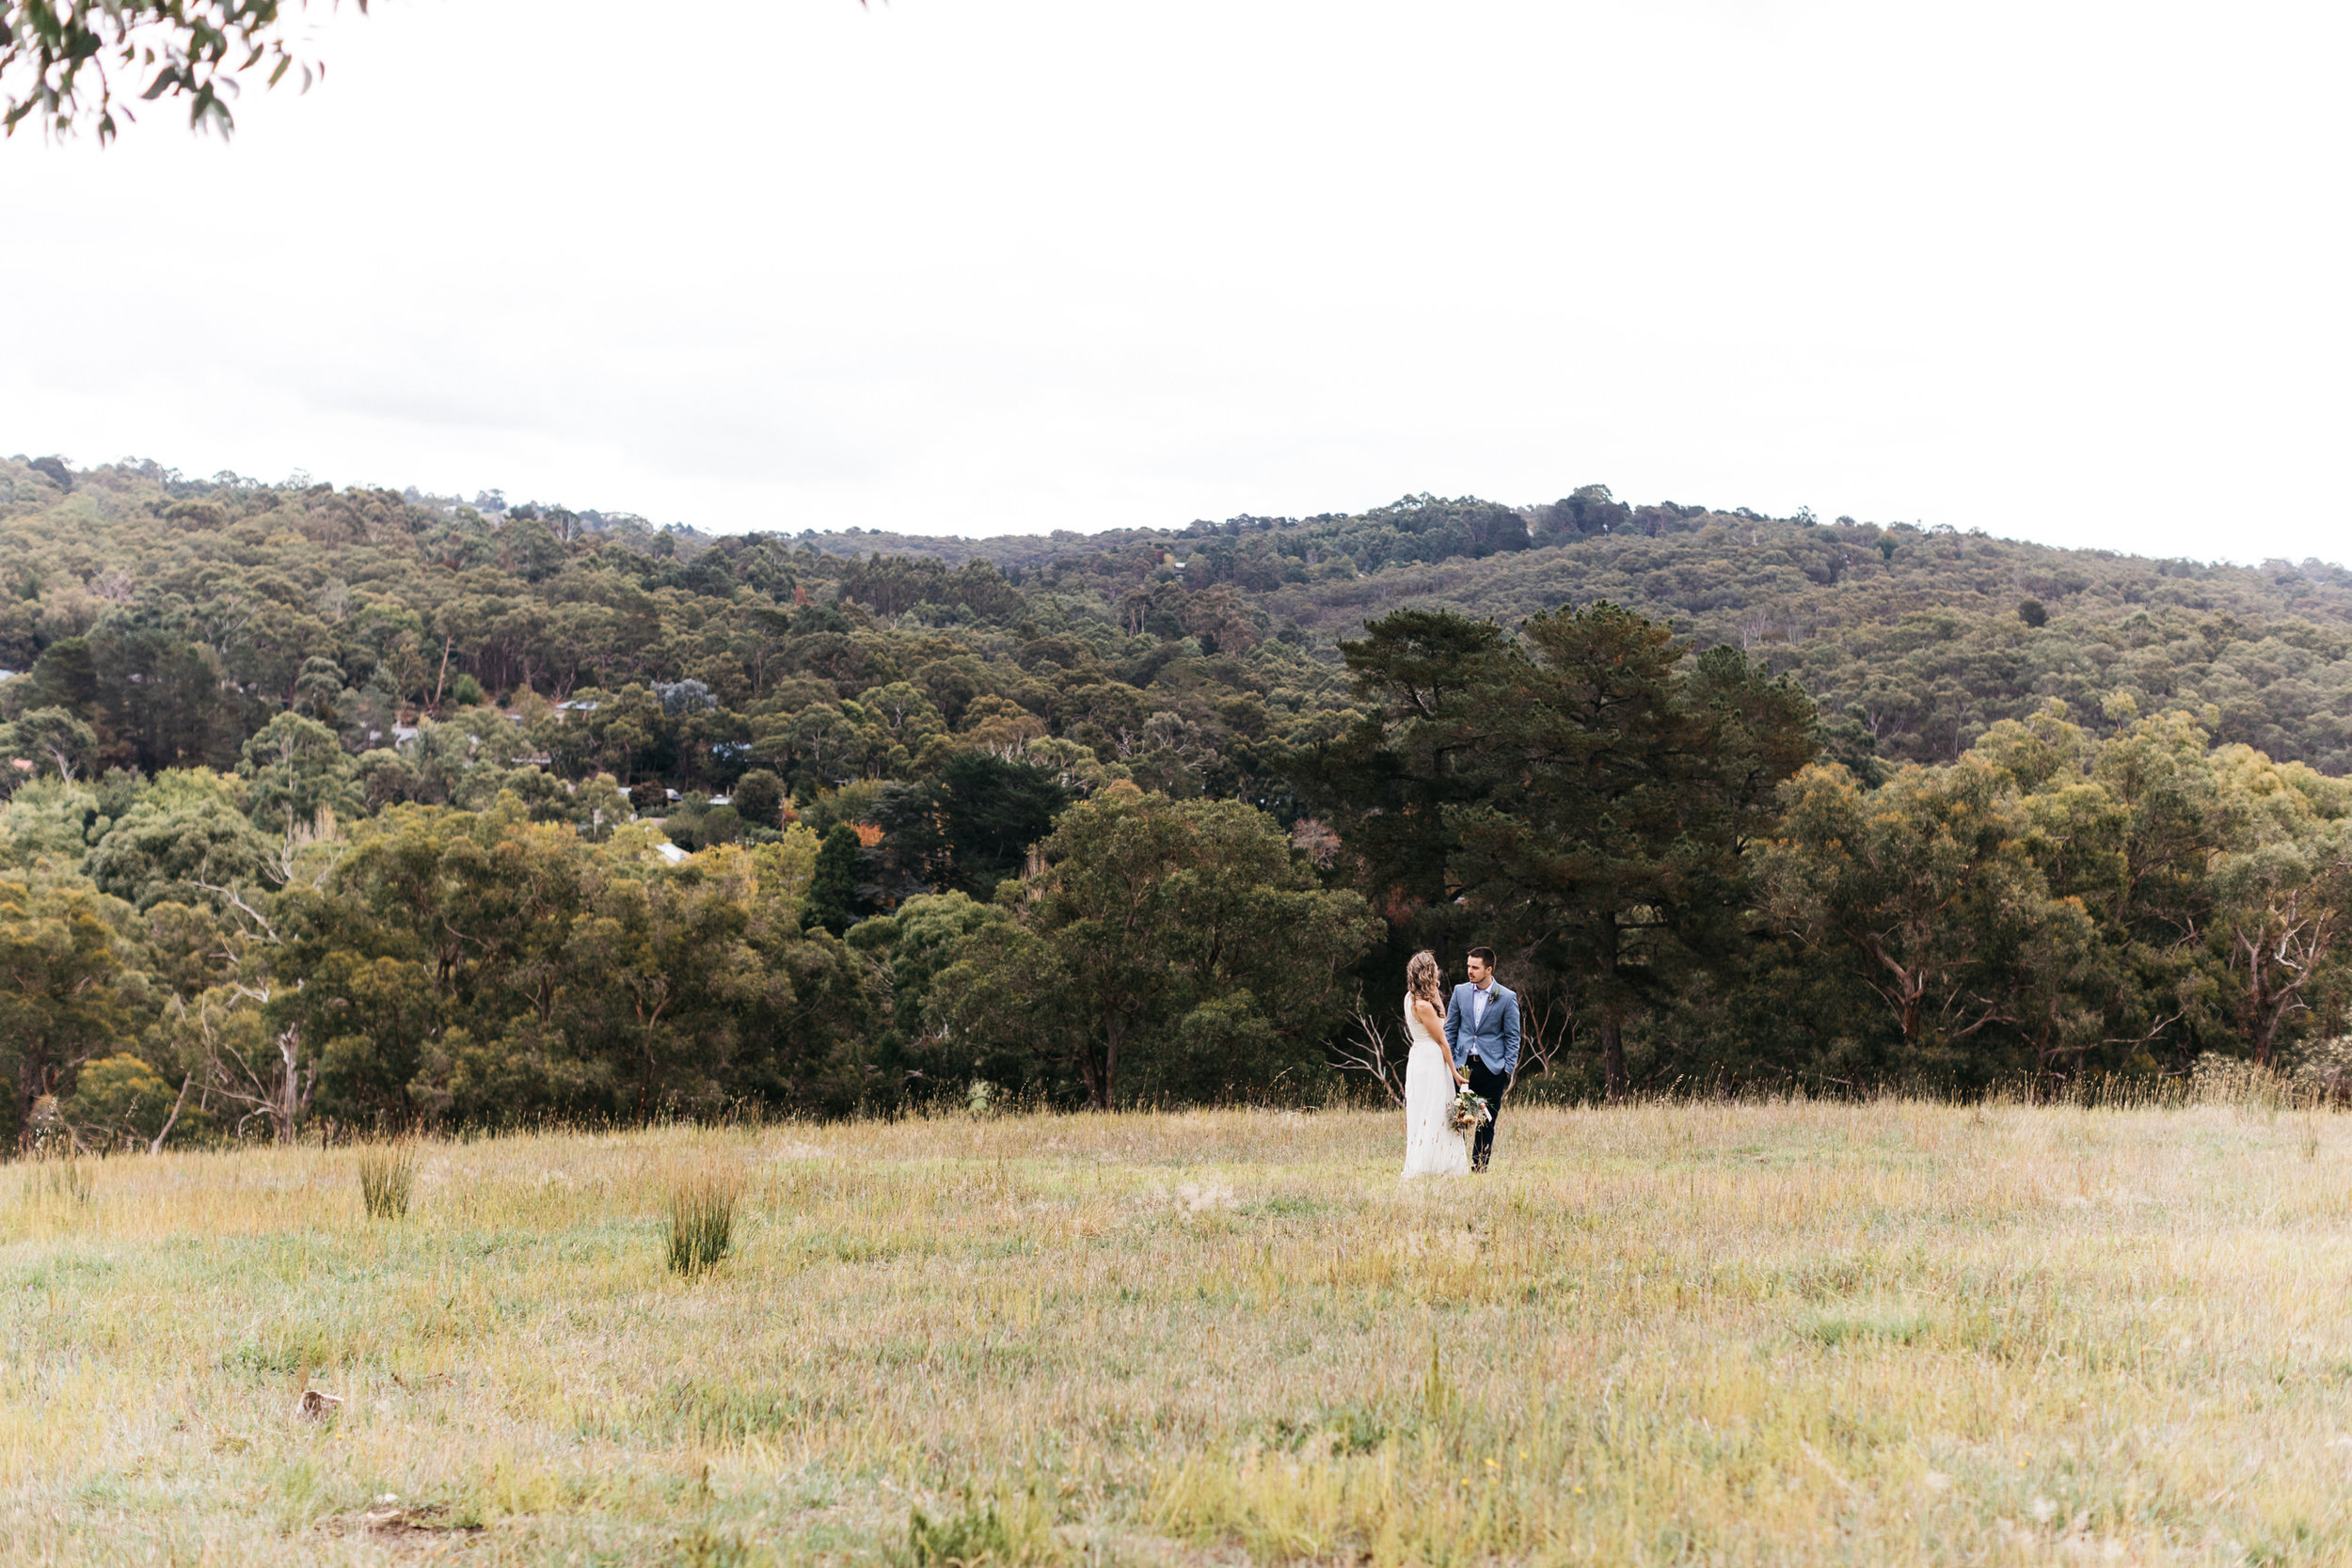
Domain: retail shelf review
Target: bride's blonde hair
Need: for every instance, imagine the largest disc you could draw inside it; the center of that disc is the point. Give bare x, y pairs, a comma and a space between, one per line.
1420, 976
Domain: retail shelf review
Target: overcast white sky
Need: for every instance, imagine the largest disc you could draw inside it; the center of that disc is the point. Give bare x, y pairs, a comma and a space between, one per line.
2074, 271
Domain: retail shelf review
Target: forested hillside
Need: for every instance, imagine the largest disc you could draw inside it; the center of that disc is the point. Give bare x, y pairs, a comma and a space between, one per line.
364, 805
1919, 638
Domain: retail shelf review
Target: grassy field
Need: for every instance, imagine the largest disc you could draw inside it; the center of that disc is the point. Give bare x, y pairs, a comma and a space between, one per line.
1776, 1333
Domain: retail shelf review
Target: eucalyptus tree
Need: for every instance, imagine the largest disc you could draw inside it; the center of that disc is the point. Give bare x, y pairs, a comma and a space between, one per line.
1175, 949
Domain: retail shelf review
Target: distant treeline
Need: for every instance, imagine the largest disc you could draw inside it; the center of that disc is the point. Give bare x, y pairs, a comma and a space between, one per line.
362, 805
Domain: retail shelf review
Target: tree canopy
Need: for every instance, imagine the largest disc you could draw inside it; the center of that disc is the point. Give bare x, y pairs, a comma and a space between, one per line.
1178, 943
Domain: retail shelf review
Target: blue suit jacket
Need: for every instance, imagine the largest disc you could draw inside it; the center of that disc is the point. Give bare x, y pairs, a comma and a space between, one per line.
1495, 1039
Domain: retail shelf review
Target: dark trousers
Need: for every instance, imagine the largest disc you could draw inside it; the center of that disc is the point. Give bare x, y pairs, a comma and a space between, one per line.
1487, 1087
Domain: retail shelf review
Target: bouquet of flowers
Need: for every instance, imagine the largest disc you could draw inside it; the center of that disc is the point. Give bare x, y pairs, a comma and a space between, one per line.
1469, 1111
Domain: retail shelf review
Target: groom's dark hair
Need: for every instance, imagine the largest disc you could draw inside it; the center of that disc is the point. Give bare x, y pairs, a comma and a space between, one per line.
1484, 955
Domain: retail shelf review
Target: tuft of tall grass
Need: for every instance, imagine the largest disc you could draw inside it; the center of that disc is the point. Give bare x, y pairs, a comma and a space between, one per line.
388, 1178
980, 1534
67, 1177
701, 1220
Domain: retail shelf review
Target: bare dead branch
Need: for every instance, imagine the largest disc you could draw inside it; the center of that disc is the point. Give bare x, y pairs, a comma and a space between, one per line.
186, 1082
1367, 1051
261, 920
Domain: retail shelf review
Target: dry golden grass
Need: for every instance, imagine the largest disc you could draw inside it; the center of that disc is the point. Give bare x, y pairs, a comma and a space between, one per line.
1739, 1334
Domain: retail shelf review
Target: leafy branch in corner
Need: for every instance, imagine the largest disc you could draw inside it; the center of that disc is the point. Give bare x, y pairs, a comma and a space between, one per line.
64, 63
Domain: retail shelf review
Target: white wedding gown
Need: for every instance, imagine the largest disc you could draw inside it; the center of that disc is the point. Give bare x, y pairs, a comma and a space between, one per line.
1432, 1147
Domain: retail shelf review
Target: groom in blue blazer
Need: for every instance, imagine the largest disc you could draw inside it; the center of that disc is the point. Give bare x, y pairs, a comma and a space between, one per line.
1482, 1024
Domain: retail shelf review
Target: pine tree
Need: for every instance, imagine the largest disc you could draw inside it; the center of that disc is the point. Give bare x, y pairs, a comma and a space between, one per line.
1577, 795
833, 887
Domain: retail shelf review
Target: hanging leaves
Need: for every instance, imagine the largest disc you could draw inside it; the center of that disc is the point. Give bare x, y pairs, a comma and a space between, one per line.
61, 60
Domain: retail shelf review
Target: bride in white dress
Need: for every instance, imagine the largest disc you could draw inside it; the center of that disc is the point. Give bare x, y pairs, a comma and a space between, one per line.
1432, 1147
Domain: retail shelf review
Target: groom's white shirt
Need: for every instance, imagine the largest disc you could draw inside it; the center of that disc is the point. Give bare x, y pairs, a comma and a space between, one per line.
1482, 995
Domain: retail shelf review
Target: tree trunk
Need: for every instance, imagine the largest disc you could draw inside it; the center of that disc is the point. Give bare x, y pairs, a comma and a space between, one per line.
1612, 1054
1090, 1074
1612, 1020
173, 1120
290, 1106
1110, 1069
